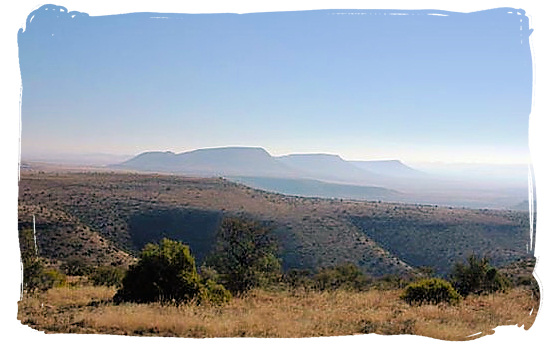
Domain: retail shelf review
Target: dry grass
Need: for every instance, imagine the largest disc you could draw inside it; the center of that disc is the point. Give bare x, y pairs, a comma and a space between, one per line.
279, 314
56, 309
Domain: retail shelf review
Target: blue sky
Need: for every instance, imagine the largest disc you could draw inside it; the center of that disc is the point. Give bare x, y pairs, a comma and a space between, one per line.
367, 85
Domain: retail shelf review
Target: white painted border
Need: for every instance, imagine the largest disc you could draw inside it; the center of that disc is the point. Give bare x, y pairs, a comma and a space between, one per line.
14, 17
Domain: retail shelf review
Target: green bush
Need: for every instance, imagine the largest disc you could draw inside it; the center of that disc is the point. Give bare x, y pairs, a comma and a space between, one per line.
36, 277
110, 276
477, 277
431, 290
344, 276
53, 278
166, 272
214, 293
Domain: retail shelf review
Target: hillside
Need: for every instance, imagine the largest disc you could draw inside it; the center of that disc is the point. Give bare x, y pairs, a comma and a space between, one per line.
61, 236
128, 210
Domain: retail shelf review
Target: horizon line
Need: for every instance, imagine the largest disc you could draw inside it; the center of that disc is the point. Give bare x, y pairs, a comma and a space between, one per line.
67, 155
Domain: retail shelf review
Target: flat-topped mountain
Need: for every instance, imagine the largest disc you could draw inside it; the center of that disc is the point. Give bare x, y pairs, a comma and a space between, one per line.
257, 162
319, 175
327, 175
225, 161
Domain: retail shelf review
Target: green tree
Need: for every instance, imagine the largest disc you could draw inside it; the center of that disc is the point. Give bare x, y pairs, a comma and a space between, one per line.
166, 272
245, 255
477, 277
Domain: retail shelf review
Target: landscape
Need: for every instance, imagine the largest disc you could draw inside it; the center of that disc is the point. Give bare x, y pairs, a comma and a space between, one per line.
250, 187
88, 220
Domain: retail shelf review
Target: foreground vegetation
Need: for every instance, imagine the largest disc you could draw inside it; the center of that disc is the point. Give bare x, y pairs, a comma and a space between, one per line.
260, 313
164, 294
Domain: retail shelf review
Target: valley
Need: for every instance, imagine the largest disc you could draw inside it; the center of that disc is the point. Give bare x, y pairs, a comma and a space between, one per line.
109, 216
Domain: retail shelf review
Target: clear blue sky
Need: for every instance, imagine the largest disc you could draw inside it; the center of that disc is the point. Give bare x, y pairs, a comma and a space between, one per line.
368, 85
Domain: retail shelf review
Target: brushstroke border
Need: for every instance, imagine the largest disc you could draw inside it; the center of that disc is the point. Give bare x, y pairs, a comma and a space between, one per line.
15, 18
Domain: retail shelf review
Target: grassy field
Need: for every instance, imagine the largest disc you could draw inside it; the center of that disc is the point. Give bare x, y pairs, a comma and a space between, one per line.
87, 309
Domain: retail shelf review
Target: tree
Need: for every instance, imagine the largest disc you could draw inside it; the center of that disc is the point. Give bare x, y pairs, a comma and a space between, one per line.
166, 272
477, 277
245, 255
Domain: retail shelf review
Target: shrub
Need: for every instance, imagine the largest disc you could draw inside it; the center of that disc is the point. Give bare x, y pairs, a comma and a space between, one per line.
477, 277
166, 272
53, 278
208, 273
76, 266
214, 293
298, 278
391, 281
109, 276
344, 276
431, 290
36, 277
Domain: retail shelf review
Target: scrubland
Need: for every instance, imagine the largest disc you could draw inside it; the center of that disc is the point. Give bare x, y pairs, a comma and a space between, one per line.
102, 220
260, 313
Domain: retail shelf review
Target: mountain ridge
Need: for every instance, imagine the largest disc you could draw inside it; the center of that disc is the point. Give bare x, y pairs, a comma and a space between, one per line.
258, 162
207, 162
256, 167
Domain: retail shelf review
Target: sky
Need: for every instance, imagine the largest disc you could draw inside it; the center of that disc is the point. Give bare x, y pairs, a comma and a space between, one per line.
410, 85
